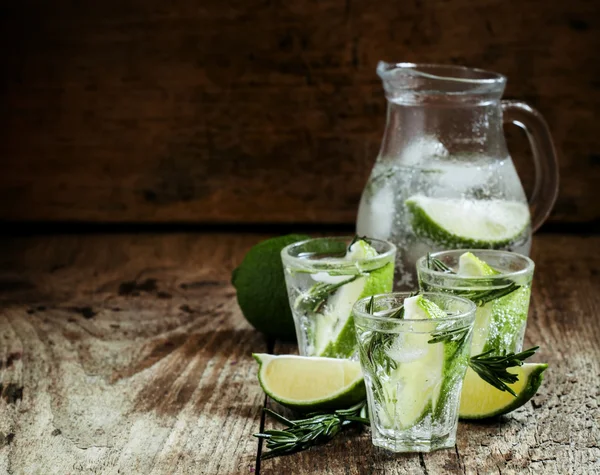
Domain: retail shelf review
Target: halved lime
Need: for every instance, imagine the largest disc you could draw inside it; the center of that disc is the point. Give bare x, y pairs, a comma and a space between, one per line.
469, 265
461, 223
480, 400
310, 383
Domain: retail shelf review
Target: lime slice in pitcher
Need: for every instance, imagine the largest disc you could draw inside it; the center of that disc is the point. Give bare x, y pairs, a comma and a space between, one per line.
460, 223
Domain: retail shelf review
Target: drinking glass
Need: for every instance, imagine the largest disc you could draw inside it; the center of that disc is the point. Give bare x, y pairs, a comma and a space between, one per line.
413, 370
323, 284
502, 299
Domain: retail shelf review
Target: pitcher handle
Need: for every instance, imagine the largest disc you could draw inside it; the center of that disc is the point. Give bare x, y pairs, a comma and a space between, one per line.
545, 188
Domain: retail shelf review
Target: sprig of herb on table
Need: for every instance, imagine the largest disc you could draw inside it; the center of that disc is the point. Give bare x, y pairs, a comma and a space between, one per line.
315, 429
318, 294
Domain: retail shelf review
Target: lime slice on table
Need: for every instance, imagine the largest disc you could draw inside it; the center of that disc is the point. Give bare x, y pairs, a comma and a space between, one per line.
415, 385
479, 400
310, 383
460, 223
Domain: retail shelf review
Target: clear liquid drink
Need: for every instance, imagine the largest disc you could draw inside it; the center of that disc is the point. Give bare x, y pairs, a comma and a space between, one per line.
414, 365
498, 282
324, 278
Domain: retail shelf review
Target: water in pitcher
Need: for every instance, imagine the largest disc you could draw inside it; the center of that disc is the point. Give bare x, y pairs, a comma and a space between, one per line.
432, 200
443, 178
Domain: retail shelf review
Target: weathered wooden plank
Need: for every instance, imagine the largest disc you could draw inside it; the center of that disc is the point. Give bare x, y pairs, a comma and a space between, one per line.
260, 111
125, 355
557, 432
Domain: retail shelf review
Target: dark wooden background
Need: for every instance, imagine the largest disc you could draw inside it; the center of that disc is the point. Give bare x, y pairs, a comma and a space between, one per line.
263, 111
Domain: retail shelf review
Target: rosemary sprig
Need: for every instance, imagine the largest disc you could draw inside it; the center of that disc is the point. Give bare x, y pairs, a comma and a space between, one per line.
315, 429
479, 297
437, 265
318, 294
369, 306
457, 335
493, 369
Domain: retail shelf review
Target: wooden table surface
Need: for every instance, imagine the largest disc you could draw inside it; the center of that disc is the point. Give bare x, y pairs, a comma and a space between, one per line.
128, 354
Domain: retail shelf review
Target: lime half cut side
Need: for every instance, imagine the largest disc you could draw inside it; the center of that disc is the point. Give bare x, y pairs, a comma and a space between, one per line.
460, 223
310, 383
480, 400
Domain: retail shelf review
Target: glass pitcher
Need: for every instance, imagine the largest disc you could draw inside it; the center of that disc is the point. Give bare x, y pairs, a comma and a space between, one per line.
444, 178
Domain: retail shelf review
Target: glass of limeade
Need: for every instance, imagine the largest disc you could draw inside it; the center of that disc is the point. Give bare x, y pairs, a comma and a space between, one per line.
498, 282
324, 278
414, 352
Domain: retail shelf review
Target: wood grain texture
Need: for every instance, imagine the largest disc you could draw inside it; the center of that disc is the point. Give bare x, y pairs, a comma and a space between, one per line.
558, 432
128, 354
260, 111
125, 356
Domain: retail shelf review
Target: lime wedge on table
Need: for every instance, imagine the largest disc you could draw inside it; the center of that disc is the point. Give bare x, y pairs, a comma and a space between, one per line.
469, 265
309, 384
456, 223
480, 400
415, 384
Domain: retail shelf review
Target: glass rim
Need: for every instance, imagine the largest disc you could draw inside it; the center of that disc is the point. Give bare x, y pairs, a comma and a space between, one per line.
461, 316
529, 267
285, 252
443, 72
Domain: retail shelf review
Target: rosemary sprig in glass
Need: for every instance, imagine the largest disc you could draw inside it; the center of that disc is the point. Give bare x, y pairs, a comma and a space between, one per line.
315, 429
437, 265
479, 297
317, 295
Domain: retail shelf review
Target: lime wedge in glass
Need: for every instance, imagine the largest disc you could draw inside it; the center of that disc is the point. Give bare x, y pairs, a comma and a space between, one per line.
415, 384
460, 223
469, 265
310, 383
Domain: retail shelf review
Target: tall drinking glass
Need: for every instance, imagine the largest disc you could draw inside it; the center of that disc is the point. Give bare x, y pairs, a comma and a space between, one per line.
324, 278
413, 370
502, 298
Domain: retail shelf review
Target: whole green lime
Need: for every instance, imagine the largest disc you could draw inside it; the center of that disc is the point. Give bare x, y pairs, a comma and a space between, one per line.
261, 291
